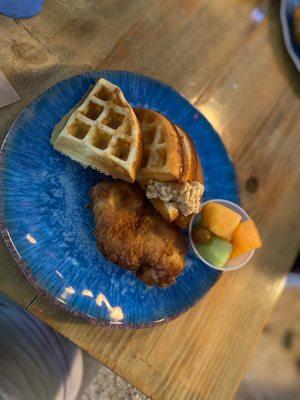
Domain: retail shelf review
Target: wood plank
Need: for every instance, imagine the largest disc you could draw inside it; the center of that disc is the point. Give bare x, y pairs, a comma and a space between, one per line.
148, 39
30, 70
29, 67
12, 282
38, 52
237, 74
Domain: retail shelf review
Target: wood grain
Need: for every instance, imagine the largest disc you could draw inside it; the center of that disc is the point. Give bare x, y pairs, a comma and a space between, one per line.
236, 71
12, 281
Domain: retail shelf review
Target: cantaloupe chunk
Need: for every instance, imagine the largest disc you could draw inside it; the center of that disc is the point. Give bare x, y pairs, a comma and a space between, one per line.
245, 238
220, 220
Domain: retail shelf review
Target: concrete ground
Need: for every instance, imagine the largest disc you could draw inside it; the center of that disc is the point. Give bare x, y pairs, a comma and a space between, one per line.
273, 373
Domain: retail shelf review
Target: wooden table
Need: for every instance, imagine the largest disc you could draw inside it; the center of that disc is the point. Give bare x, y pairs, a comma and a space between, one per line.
234, 68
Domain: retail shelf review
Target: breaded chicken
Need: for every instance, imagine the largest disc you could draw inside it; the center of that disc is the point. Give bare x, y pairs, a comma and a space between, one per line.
133, 235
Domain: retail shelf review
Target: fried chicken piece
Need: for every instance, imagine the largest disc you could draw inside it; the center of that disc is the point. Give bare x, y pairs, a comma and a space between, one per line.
133, 235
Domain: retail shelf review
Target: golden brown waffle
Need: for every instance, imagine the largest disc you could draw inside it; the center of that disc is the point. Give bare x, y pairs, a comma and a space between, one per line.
195, 173
183, 221
167, 209
190, 162
191, 171
162, 150
103, 133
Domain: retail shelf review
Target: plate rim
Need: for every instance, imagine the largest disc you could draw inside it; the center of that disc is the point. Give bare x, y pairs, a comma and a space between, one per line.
24, 266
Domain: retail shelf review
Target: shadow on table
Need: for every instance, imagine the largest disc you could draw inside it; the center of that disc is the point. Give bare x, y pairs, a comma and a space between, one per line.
60, 318
281, 55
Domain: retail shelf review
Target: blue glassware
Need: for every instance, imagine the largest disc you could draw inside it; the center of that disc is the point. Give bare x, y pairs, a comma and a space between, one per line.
49, 229
286, 15
21, 8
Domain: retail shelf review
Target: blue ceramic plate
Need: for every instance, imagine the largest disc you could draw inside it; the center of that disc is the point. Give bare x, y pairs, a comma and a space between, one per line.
21, 8
286, 15
49, 230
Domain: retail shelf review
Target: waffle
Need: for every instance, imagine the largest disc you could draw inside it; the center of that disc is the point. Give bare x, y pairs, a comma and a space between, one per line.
162, 150
191, 171
197, 174
102, 133
190, 161
199, 171
183, 220
167, 209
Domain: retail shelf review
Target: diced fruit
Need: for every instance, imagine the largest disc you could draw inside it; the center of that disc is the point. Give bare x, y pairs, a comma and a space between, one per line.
201, 235
245, 238
217, 251
220, 220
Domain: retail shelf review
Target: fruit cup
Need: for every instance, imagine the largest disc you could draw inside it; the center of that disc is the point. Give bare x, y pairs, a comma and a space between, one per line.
233, 263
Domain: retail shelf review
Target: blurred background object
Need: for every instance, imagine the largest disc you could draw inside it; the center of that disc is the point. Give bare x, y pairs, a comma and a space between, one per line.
290, 21
36, 363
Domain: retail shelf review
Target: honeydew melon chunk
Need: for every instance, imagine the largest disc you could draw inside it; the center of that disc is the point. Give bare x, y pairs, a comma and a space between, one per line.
217, 251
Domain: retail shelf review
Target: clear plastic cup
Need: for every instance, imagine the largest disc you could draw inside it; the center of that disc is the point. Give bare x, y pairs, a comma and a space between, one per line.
234, 263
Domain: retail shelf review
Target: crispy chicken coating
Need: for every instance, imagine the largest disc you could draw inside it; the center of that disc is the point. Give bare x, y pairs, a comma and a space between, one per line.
133, 235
